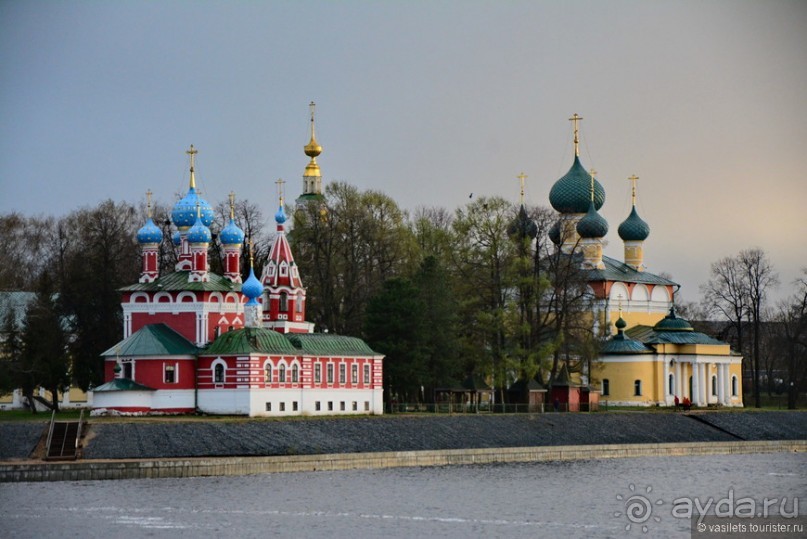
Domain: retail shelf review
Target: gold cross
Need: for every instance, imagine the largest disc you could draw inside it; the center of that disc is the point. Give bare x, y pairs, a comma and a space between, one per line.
280, 182
593, 174
575, 119
522, 177
632, 180
148, 203
232, 205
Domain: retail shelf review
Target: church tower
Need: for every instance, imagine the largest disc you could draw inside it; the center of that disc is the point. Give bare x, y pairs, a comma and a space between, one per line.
284, 295
232, 240
633, 232
185, 214
591, 229
312, 177
149, 237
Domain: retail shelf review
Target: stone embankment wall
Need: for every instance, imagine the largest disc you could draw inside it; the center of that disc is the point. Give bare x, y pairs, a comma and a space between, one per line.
167, 448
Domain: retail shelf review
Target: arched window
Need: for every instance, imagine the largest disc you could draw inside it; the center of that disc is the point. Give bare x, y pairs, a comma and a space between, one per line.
714, 385
281, 377
637, 388
606, 387
671, 384
284, 302
299, 303
268, 373
734, 386
218, 374
294, 373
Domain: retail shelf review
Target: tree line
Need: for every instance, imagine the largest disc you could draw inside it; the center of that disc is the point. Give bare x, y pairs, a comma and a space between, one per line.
477, 293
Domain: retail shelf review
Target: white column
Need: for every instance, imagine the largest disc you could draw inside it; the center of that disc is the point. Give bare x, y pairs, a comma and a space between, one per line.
721, 393
704, 389
695, 382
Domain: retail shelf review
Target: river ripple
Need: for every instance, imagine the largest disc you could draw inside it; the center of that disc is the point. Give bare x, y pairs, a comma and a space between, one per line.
551, 499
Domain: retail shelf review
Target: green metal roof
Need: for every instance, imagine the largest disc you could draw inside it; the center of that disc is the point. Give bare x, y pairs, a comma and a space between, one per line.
619, 344
649, 335
153, 340
178, 281
122, 384
325, 344
619, 271
250, 341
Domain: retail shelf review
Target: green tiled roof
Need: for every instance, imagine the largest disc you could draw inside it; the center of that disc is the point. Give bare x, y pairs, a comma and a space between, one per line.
122, 384
249, 341
324, 344
619, 271
178, 281
153, 340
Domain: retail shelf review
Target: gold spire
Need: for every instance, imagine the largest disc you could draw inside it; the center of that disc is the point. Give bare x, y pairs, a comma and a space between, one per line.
575, 119
148, 203
593, 173
312, 149
251, 257
522, 177
632, 180
232, 205
192, 152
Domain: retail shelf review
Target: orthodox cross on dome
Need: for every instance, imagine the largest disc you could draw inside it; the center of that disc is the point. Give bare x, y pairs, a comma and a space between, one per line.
251, 256
632, 181
593, 174
232, 205
619, 299
312, 149
148, 203
575, 119
280, 182
522, 177
192, 152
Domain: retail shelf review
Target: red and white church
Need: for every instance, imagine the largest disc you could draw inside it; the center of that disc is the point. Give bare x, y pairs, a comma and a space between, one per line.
198, 342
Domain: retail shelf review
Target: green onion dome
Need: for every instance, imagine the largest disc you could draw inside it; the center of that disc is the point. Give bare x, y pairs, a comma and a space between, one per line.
592, 225
633, 228
522, 227
572, 193
554, 233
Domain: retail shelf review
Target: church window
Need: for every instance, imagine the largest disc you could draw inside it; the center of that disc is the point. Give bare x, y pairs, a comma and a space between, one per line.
170, 374
330, 373
606, 387
671, 384
734, 386
342, 373
284, 302
127, 370
282, 406
268, 373
317, 406
294, 373
366, 406
268, 406
299, 304
367, 374
218, 374
284, 270
714, 386
281, 374
294, 406
317, 373
355, 406
637, 388
330, 406
354, 374
342, 406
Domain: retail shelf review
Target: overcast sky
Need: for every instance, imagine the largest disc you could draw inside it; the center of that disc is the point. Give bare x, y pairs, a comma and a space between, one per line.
426, 101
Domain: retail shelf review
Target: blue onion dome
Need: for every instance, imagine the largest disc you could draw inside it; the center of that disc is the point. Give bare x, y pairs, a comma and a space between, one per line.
252, 288
523, 227
554, 233
671, 322
184, 212
633, 228
592, 225
150, 233
176, 238
572, 193
199, 233
231, 234
280, 216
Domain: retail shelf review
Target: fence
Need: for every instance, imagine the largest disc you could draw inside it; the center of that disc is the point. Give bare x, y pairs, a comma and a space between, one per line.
486, 408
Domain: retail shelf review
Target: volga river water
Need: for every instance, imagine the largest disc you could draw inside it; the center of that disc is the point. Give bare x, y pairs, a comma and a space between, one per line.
553, 499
